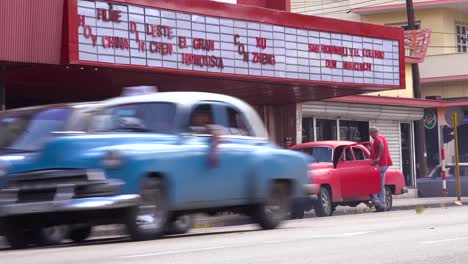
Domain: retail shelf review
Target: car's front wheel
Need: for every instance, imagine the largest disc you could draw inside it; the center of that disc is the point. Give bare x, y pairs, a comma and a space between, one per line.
274, 210
180, 225
16, 235
324, 205
148, 220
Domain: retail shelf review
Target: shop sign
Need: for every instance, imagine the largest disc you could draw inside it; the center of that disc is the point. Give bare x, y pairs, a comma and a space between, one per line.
430, 120
135, 35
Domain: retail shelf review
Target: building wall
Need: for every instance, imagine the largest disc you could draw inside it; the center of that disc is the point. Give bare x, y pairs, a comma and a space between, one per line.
446, 89
407, 93
440, 21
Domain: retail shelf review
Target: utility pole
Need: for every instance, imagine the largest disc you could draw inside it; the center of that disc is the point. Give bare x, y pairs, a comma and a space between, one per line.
421, 154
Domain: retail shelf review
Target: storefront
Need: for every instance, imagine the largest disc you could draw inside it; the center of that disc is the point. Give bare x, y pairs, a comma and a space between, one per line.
349, 118
80, 50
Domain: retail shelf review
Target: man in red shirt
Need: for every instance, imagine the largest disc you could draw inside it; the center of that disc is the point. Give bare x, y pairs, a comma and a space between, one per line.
380, 156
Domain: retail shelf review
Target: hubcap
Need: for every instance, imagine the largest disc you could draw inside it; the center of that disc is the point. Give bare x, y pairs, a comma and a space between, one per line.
55, 233
183, 221
325, 202
151, 211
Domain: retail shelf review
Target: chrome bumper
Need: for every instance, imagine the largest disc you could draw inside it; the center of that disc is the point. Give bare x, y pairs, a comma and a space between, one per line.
73, 205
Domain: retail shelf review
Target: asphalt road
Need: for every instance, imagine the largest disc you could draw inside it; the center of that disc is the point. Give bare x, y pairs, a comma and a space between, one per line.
434, 236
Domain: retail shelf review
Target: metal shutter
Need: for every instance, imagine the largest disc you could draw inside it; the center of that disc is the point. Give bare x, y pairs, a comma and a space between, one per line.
391, 131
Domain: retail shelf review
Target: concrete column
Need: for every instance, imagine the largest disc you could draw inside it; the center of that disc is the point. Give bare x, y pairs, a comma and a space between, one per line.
298, 124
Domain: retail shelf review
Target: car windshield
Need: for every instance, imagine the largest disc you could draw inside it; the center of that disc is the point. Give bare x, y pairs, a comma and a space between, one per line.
319, 154
141, 117
27, 131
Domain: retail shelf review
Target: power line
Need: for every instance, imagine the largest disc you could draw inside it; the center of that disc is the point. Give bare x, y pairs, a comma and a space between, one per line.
347, 10
322, 4
339, 6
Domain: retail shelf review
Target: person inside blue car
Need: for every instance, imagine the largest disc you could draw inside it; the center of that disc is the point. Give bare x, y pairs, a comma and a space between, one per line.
202, 123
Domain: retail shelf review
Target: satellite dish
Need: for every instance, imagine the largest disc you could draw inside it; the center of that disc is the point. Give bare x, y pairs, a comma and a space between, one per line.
449, 115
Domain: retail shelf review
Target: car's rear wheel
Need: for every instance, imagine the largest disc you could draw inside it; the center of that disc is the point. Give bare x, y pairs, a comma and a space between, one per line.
79, 233
388, 200
180, 225
148, 220
52, 235
324, 206
274, 210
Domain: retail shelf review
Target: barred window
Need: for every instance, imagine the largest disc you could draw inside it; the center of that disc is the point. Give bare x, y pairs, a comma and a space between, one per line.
462, 34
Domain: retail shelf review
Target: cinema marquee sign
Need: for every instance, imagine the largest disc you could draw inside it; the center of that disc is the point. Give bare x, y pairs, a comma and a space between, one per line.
135, 35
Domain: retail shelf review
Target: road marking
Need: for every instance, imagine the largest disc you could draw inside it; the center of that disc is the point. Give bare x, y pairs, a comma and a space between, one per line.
443, 240
171, 252
343, 235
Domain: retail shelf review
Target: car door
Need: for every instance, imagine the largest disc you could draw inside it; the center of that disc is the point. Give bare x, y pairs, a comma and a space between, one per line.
238, 146
354, 175
212, 186
369, 181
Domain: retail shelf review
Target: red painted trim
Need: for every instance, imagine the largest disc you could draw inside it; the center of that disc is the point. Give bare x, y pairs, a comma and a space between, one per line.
272, 80
445, 79
455, 103
362, 10
402, 62
72, 44
387, 100
263, 15
414, 60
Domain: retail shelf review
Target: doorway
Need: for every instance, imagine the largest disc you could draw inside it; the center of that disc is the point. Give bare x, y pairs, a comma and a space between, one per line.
407, 152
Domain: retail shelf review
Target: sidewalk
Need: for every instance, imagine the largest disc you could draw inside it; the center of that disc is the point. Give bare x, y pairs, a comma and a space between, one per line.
202, 221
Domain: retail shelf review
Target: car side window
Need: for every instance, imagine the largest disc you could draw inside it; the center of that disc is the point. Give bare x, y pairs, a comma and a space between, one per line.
348, 156
359, 154
236, 123
201, 116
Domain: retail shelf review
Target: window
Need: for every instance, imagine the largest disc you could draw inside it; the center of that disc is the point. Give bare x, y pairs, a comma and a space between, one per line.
348, 156
359, 154
319, 154
462, 34
307, 130
236, 123
357, 131
28, 131
326, 129
152, 117
201, 116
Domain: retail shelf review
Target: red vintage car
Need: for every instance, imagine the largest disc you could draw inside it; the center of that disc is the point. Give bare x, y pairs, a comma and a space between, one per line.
341, 173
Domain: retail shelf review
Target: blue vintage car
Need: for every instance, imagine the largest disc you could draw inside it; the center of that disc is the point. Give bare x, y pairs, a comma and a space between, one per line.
149, 159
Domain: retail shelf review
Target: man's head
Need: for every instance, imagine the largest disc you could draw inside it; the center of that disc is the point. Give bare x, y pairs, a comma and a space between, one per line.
374, 132
288, 142
201, 118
